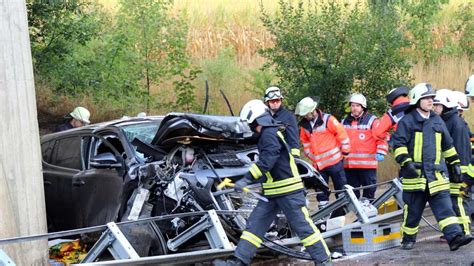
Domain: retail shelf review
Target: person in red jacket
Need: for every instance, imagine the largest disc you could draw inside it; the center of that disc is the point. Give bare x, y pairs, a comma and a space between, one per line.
399, 103
325, 143
361, 163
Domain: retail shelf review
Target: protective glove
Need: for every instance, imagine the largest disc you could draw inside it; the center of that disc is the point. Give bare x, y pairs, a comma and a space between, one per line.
409, 170
455, 175
380, 157
465, 190
242, 183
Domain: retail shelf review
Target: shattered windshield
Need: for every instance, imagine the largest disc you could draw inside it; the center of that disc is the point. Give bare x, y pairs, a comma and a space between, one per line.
142, 131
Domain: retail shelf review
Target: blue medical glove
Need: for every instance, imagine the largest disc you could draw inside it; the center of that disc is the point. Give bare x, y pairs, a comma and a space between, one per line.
380, 157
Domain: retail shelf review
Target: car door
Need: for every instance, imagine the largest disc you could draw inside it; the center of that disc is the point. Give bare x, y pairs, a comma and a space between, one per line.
97, 190
63, 159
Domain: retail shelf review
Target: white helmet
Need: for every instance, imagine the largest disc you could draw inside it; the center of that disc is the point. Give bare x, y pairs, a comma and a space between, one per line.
445, 98
252, 110
305, 106
82, 114
462, 102
272, 93
469, 88
358, 98
421, 90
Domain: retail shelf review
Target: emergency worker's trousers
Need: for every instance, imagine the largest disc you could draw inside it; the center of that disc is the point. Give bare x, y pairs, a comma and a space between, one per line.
262, 216
357, 177
441, 206
338, 176
463, 212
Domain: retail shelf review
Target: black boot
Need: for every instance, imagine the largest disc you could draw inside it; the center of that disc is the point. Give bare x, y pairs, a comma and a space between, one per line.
459, 241
407, 245
229, 262
327, 262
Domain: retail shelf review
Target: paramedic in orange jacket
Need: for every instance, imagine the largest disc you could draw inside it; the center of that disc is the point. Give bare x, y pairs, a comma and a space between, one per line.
325, 142
399, 103
361, 163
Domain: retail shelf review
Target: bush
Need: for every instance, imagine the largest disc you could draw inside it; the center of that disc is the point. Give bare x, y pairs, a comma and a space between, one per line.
330, 50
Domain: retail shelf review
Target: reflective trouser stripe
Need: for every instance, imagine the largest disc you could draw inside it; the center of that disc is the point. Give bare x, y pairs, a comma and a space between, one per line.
448, 221
253, 239
405, 229
316, 236
463, 218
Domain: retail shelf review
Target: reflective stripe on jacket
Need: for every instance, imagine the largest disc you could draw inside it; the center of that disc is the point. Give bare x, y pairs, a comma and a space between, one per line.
291, 129
364, 146
324, 142
425, 142
276, 167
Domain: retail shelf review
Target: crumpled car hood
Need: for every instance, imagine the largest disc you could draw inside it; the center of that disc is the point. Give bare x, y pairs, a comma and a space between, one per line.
177, 127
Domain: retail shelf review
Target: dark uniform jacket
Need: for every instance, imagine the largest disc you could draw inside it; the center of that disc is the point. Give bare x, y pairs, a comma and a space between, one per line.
291, 131
63, 127
276, 167
460, 133
424, 142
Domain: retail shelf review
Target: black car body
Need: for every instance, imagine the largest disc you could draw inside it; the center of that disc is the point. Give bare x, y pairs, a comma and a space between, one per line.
175, 168
79, 193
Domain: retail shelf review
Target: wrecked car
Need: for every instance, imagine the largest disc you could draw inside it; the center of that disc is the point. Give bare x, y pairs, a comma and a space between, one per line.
176, 170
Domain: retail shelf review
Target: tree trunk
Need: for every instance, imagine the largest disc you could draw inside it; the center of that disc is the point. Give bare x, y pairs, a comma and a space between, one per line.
22, 207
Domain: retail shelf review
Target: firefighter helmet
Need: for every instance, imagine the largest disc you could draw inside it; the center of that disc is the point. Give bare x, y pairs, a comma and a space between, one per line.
461, 100
305, 106
469, 88
395, 93
421, 90
272, 93
82, 114
358, 98
445, 98
253, 110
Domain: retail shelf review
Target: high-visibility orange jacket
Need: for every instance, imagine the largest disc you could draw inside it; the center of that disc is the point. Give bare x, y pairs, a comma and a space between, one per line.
324, 142
390, 119
364, 146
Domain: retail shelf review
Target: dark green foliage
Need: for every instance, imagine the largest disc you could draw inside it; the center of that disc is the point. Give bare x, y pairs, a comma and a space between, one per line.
329, 50
79, 49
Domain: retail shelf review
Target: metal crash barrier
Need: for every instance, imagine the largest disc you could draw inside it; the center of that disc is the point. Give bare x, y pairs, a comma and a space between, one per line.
113, 240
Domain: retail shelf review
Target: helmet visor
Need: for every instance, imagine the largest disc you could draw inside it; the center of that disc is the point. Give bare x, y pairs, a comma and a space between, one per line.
271, 95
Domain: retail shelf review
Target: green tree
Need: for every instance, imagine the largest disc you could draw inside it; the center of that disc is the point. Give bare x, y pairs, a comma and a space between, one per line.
330, 50
420, 18
57, 27
159, 39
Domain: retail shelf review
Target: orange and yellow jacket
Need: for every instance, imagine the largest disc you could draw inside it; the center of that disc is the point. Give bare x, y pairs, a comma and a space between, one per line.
325, 142
390, 119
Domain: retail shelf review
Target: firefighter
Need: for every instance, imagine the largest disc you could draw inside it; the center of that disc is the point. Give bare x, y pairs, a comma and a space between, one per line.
419, 143
399, 103
325, 143
446, 105
469, 88
273, 99
361, 163
79, 117
282, 185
